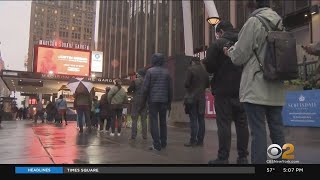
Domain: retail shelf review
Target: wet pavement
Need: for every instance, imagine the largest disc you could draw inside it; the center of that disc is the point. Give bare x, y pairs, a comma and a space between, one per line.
23, 142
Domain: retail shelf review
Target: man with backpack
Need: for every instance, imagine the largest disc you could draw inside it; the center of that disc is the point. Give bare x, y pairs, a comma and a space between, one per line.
262, 98
225, 88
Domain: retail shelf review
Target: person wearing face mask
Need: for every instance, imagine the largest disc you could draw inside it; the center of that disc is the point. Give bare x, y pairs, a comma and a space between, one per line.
225, 87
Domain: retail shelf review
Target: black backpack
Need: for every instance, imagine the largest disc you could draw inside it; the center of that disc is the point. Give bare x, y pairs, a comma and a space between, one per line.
280, 61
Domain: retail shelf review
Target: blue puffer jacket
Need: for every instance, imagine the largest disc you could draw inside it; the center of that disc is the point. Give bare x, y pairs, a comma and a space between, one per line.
157, 84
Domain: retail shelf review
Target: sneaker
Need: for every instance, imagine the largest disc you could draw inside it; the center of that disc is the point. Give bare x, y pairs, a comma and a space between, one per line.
132, 138
111, 134
153, 148
242, 160
119, 134
219, 161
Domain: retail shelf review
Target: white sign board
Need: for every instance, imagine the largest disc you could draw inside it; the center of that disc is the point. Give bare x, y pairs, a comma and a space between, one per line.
96, 61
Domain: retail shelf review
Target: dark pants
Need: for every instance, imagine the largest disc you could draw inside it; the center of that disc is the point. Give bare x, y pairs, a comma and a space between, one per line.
108, 125
230, 109
256, 116
95, 118
86, 113
197, 123
39, 114
116, 116
143, 120
158, 109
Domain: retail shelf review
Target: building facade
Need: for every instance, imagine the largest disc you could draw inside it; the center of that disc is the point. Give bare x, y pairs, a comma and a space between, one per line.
67, 21
131, 31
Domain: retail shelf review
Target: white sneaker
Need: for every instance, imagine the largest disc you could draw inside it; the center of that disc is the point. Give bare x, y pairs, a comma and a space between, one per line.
119, 134
111, 134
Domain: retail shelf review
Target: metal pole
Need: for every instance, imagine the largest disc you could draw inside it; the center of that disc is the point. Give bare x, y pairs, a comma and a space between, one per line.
109, 63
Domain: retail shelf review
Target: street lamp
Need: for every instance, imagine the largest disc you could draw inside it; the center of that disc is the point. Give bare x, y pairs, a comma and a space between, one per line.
211, 8
213, 20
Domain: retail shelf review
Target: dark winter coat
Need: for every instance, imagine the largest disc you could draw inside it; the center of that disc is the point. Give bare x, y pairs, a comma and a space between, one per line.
196, 82
226, 75
158, 84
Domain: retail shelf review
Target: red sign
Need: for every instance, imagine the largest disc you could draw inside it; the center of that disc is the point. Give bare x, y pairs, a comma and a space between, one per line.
210, 110
62, 61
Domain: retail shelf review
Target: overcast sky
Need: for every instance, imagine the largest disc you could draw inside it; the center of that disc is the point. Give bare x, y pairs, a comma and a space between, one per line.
14, 32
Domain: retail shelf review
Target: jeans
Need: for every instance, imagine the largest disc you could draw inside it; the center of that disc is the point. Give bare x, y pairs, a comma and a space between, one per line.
116, 116
86, 113
143, 116
158, 109
197, 124
256, 116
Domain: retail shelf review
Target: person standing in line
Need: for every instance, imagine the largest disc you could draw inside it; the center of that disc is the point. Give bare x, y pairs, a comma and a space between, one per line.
82, 104
61, 105
197, 80
117, 96
105, 111
263, 99
225, 88
136, 88
158, 91
39, 112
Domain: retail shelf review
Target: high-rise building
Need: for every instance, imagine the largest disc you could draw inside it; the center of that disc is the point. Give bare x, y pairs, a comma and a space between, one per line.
67, 21
130, 30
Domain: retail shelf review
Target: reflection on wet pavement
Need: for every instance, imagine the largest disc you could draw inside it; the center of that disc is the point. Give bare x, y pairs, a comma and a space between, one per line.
23, 142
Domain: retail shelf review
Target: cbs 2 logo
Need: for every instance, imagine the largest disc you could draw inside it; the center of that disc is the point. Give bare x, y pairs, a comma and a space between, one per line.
274, 151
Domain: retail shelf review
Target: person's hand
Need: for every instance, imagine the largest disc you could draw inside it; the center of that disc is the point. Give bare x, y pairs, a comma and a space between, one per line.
225, 50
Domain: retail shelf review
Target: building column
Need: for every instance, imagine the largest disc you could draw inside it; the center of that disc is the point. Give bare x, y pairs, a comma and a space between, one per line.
211, 8
145, 35
233, 12
115, 41
157, 27
121, 39
128, 37
109, 40
315, 24
187, 26
136, 37
207, 27
170, 29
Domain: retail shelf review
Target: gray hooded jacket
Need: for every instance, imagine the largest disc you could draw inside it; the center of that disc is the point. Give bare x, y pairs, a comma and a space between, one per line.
254, 88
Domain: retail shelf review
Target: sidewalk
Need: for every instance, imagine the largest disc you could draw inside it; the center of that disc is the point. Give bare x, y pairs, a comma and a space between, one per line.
22, 142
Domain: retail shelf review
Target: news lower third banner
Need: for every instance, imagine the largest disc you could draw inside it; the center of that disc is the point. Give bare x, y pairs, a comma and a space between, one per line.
134, 170
302, 108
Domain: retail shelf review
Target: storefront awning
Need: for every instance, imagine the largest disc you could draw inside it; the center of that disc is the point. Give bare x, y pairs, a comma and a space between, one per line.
34, 83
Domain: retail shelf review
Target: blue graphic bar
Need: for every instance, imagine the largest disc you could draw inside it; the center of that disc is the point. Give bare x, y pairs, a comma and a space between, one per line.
39, 170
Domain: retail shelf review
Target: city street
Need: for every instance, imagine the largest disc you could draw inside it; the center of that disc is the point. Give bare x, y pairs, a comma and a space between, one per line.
22, 142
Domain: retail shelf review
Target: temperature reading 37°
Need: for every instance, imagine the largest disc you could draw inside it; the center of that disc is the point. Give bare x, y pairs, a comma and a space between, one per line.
270, 169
